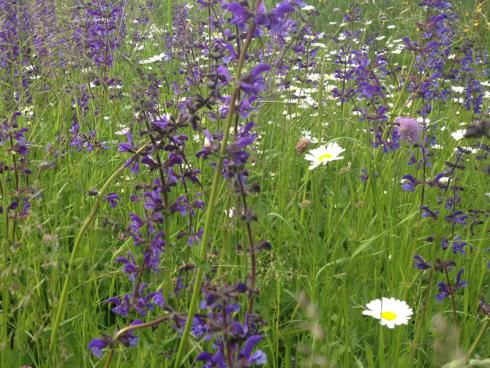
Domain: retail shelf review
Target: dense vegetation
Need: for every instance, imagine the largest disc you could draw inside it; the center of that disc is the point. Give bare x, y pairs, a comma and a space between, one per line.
227, 183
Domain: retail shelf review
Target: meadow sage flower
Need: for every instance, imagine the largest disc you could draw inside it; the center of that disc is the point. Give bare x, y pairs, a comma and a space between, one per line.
324, 154
390, 311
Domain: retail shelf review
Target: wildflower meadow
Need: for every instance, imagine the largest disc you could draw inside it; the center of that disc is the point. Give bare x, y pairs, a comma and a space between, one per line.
249, 183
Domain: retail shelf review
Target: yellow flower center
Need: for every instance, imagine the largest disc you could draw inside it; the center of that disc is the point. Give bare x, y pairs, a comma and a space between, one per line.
390, 316
325, 156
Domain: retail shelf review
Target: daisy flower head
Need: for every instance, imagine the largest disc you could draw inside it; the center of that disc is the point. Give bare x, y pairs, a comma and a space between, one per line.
390, 311
324, 154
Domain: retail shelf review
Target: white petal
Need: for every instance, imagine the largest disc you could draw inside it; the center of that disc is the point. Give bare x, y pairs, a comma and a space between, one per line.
374, 305
370, 313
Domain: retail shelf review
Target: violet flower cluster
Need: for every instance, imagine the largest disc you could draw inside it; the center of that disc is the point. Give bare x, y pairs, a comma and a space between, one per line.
101, 30
362, 74
429, 82
16, 192
209, 53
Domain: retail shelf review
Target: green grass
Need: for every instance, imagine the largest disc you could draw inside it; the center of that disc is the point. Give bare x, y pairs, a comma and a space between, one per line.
352, 243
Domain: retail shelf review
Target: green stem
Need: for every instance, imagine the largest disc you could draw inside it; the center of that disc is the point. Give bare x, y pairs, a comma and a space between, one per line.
421, 319
478, 338
5, 300
64, 292
303, 201
212, 204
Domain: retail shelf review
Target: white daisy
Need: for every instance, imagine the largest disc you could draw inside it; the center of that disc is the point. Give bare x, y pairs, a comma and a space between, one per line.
458, 134
322, 155
390, 311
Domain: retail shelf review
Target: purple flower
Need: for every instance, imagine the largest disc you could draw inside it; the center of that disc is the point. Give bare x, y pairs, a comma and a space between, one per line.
121, 305
446, 290
130, 339
459, 246
408, 129
258, 357
130, 268
421, 263
240, 13
98, 345
112, 198
409, 183
427, 212
253, 82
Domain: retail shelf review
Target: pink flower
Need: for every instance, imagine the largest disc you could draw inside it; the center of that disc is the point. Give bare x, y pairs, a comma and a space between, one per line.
408, 129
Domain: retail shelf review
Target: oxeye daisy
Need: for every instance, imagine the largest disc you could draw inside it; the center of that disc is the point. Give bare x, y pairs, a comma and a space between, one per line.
390, 311
324, 154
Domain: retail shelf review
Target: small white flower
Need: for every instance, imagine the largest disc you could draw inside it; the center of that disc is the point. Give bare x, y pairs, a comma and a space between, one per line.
390, 311
122, 131
457, 89
155, 58
306, 134
323, 155
308, 8
458, 134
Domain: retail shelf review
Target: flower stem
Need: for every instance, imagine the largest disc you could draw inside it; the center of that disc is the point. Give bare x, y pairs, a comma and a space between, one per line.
253, 258
453, 302
212, 201
303, 202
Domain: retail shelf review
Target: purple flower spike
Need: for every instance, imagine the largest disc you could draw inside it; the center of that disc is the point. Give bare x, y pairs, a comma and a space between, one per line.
240, 13
253, 83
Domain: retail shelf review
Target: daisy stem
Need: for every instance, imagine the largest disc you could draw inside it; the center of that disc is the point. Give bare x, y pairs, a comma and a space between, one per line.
381, 349
303, 201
